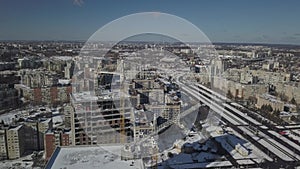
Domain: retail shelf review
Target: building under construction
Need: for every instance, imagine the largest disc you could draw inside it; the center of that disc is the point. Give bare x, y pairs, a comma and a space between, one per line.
122, 109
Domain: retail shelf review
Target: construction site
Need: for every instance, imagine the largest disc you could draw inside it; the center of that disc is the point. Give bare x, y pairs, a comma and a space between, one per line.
129, 105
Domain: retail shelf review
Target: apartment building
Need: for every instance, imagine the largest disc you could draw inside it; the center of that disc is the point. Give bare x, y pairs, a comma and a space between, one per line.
15, 142
3, 150
54, 138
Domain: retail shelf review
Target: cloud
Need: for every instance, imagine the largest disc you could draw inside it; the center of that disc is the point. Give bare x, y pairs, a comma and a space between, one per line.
78, 2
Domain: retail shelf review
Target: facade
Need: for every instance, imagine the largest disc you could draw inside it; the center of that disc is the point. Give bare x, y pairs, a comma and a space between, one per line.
47, 95
54, 139
105, 116
3, 148
38, 78
240, 90
68, 111
9, 96
275, 103
42, 86
266, 99
245, 83
15, 143
103, 119
19, 141
289, 90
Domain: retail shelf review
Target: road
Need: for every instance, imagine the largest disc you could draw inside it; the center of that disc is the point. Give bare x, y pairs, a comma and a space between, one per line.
280, 149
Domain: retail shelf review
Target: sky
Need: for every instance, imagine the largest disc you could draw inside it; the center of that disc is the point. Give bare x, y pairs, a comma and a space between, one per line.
246, 21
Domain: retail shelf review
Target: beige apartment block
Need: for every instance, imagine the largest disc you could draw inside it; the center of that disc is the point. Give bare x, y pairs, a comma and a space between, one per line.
266, 99
15, 142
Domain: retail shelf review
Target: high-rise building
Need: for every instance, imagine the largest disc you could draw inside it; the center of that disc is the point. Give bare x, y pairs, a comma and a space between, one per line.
68, 111
108, 104
97, 119
19, 140
15, 143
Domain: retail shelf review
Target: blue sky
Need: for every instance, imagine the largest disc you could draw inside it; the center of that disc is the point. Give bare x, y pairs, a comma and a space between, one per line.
263, 21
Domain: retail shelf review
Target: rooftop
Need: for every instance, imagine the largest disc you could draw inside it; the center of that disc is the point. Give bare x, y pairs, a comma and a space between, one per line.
63, 58
16, 128
270, 98
64, 81
84, 96
104, 157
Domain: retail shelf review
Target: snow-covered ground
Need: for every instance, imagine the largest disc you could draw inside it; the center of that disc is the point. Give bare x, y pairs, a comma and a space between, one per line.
7, 118
260, 154
21, 163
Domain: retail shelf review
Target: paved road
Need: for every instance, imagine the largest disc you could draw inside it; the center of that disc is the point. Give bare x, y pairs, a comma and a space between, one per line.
283, 147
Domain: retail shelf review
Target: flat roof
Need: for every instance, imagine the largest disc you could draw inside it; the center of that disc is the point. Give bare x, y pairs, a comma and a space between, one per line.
63, 58
270, 98
84, 96
90, 157
16, 128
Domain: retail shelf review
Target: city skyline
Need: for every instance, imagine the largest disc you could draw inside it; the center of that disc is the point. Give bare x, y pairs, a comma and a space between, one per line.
149, 84
230, 21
